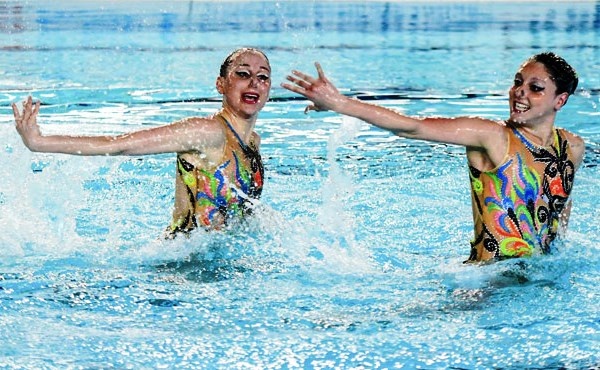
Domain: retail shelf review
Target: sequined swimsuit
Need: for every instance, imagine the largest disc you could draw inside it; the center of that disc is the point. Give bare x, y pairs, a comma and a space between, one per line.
516, 206
211, 196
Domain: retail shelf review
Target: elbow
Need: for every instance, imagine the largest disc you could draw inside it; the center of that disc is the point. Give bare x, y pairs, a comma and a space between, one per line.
111, 146
34, 146
407, 132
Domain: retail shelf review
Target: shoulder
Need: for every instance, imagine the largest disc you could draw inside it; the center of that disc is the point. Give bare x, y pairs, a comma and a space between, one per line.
497, 126
493, 144
203, 126
491, 134
576, 144
573, 139
205, 123
255, 140
198, 133
483, 127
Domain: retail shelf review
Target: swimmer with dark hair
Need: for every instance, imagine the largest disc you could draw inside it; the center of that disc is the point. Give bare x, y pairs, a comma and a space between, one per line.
219, 168
521, 169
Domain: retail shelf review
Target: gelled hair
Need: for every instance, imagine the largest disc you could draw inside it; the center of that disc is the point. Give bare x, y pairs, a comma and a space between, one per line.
230, 58
563, 75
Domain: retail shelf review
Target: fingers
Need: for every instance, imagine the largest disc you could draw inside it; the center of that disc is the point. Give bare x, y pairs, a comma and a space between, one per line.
301, 85
303, 77
309, 108
32, 107
16, 111
25, 111
36, 108
298, 86
293, 88
298, 81
320, 71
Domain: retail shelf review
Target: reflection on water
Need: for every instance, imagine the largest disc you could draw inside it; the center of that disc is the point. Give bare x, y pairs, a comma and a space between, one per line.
273, 17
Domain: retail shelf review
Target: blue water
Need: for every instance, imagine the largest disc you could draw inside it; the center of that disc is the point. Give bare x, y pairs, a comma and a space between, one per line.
354, 260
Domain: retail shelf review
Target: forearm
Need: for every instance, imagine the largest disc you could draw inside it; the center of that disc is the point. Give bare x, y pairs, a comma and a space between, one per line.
137, 143
382, 117
466, 131
77, 145
177, 137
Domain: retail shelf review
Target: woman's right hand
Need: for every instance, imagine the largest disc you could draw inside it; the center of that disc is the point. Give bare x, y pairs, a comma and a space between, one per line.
26, 121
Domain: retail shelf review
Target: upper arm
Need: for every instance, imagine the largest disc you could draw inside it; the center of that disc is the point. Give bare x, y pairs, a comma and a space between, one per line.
192, 134
577, 146
472, 132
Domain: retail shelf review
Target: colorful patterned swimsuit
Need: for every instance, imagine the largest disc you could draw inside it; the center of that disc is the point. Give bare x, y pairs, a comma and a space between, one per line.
210, 197
516, 206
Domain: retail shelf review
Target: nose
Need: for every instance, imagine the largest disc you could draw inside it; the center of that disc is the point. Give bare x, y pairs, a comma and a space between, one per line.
520, 90
253, 81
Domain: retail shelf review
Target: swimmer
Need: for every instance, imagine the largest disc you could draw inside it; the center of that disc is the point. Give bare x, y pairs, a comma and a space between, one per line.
521, 169
219, 170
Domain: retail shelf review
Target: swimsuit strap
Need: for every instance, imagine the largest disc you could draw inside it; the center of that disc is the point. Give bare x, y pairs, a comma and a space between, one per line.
557, 140
529, 144
242, 144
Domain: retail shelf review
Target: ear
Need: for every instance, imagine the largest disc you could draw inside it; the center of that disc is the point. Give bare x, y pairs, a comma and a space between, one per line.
560, 101
220, 82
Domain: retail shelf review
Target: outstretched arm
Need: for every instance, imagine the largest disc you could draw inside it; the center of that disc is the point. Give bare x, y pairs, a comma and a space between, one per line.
467, 131
178, 137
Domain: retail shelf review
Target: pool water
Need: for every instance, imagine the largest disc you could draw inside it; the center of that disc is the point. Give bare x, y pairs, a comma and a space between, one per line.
354, 259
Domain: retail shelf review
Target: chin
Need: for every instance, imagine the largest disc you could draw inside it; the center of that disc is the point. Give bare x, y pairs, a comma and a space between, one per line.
517, 119
249, 113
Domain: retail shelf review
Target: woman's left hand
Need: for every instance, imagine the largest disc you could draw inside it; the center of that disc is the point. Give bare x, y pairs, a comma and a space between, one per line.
323, 94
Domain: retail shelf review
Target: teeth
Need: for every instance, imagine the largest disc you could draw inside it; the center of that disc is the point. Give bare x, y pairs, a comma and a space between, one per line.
521, 107
251, 96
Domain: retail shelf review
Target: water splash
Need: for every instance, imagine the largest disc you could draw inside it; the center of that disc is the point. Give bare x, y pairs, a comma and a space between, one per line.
35, 204
336, 221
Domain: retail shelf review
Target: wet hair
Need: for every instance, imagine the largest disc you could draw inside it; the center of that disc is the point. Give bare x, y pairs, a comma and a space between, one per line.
230, 58
563, 75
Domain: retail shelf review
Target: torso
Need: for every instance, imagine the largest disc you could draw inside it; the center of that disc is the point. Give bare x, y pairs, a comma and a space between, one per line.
209, 193
516, 206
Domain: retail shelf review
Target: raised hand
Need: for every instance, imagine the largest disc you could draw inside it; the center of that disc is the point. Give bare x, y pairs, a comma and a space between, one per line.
26, 121
323, 94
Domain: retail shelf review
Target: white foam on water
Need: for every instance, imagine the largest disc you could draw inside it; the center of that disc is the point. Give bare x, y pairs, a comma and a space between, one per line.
34, 203
334, 232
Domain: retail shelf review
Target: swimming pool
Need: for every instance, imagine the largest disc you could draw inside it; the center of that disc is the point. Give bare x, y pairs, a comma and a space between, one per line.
355, 258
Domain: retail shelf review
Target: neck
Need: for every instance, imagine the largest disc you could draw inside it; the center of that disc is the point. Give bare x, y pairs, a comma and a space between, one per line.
540, 135
242, 126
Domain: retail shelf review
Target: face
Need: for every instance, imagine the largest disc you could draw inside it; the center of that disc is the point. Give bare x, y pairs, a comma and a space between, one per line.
245, 87
533, 96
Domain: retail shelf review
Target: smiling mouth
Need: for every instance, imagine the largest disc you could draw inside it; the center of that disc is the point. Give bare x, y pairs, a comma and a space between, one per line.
250, 98
520, 107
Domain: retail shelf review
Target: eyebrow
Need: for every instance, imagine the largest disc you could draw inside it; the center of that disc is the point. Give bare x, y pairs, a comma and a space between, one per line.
248, 65
519, 74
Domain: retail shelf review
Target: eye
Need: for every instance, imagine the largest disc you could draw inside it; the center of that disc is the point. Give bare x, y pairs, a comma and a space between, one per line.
263, 77
536, 88
518, 81
242, 74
